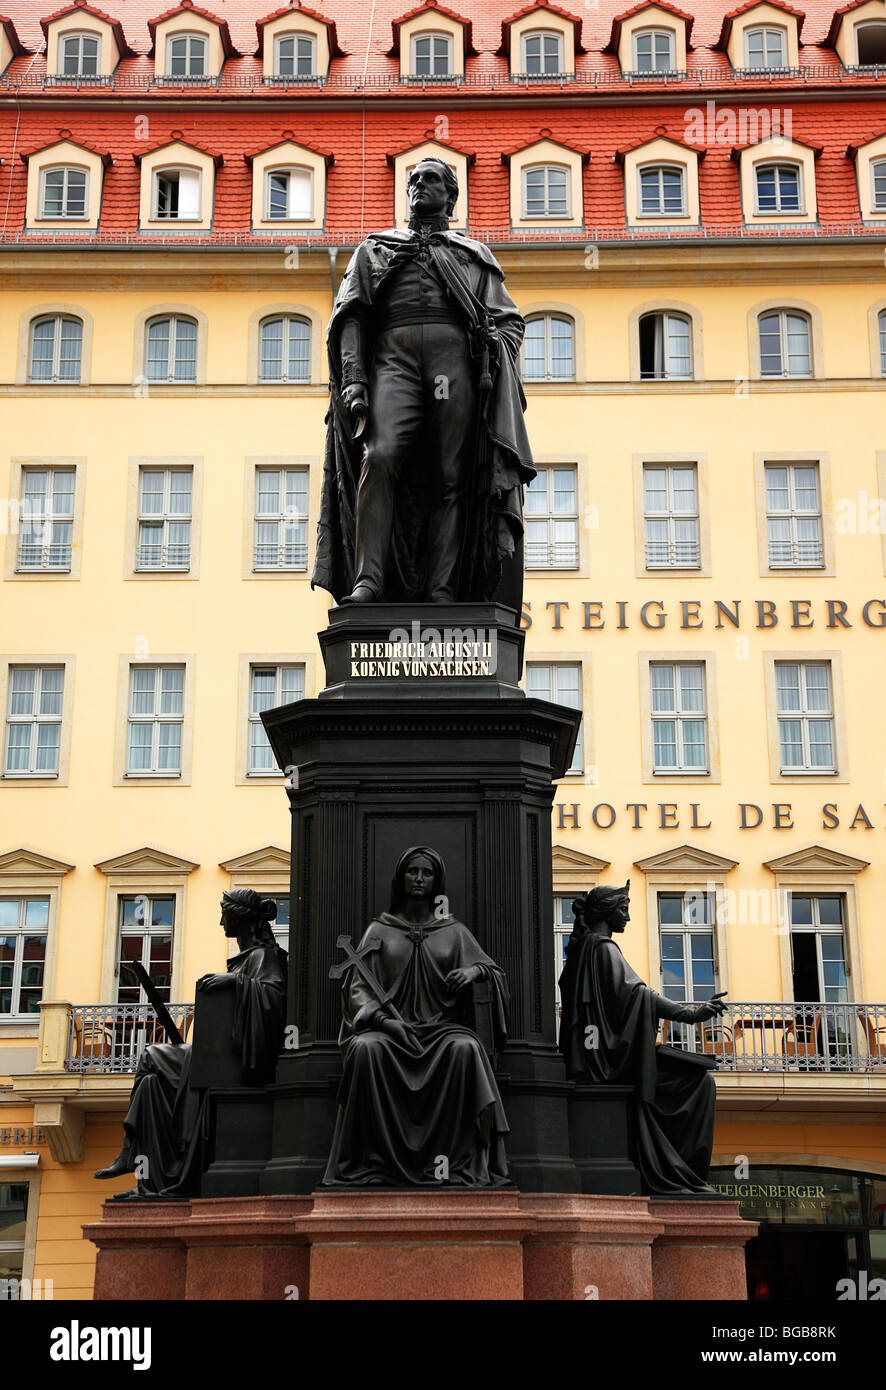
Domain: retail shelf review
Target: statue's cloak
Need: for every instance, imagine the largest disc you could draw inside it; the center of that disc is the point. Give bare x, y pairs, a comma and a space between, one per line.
491, 555
608, 1029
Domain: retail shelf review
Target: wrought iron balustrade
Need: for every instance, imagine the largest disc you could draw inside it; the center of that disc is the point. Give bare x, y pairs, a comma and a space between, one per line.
789, 1037
108, 1038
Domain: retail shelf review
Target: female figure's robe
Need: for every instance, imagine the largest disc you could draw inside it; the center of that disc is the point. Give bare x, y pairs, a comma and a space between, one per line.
403, 1109
675, 1096
166, 1124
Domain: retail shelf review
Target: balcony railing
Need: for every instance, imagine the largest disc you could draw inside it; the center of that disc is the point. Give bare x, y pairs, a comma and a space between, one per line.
789, 1037
108, 1038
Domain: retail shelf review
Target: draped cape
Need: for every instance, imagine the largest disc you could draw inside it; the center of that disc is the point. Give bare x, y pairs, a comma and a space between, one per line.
674, 1096
492, 543
403, 1108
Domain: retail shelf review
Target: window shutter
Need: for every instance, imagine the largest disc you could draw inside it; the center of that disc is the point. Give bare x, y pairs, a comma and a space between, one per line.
300, 189
189, 193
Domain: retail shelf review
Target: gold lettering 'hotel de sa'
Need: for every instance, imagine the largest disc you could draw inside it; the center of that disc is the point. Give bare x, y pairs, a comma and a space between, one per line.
690, 208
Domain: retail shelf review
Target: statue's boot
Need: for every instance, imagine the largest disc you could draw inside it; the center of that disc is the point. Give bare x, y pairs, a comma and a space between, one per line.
362, 593
118, 1166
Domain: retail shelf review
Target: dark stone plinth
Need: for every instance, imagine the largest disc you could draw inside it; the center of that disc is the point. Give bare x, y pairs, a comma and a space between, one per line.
467, 766
600, 1135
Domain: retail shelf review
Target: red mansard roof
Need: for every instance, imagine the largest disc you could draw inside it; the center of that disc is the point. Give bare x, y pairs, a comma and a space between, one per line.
66, 138
334, 49
187, 7
15, 42
544, 134
393, 155
699, 150
431, 8
176, 138
288, 137
80, 6
798, 15
619, 19
541, 7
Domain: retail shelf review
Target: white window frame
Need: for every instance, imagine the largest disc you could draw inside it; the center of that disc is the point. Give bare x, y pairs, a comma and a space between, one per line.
818, 929
678, 716
64, 214
78, 37
681, 1034
147, 931
553, 677
297, 668
780, 167
283, 520
866, 24
564, 921
558, 556
164, 520
878, 196
174, 320
55, 377
667, 316
662, 212
549, 374
190, 39
783, 315
35, 720
287, 374
291, 216
679, 556
656, 34
767, 30
156, 718
543, 35
804, 716
434, 36
881, 325
179, 170
295, 38
20, 932
547, 169
55, 556
794, 514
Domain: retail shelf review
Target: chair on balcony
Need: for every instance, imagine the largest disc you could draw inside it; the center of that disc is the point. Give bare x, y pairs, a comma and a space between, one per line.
94, 1038
716, 1038
801, 1035
875, 1037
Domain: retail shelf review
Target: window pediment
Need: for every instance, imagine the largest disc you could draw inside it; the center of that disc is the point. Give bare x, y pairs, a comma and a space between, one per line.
271, 859
685, 859
660, 17
18, 863
817, 859
139, 862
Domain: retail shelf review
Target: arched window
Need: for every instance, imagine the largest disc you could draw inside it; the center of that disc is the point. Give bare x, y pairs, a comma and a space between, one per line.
765, 47
432, 55
171, 349
878, 185
187, 55
284, 349
662, 190
542, 53
549, 348
654, 50
881, 320
870, 44
295, 56
665, 347
64, 192
546, 191
79, 55
785, 343
289, 195
778, 188
56, 348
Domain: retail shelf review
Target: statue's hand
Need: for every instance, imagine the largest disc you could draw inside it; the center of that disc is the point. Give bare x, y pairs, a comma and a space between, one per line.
457, 979
356, 401
396, 1028
712, 1009
208, 983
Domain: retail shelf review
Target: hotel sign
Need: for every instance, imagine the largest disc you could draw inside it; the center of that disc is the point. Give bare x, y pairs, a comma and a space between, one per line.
690, 615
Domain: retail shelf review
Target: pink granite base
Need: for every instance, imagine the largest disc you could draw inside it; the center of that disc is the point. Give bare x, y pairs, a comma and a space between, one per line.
446, 1245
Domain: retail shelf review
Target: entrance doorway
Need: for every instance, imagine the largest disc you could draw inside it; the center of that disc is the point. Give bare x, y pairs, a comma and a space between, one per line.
787, 1265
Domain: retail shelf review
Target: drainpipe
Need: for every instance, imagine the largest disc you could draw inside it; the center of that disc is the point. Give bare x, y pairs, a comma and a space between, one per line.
332, 252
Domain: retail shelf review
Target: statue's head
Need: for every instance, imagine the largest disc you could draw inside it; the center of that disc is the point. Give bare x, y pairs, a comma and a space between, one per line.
609, 906
432, 188
243, 909
420, 874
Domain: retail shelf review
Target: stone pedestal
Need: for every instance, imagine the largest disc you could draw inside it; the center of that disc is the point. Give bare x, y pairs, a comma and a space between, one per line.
446, 1245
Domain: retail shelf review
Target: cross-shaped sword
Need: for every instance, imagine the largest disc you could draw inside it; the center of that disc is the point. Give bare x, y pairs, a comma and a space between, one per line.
356, 960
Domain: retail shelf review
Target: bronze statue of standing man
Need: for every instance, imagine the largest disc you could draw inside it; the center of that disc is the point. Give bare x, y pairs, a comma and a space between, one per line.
426, 446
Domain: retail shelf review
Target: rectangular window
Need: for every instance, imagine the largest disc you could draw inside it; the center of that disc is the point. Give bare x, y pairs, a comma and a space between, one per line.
560, 683
551, 520
670, 493
805, 711
79, 54
290, 195
13, 1227
156, 718
662, 192
564, 921
654, 51
778, 188
542, 54
295, 56
281, 519
766, 48
146, 927
34, 721
688, 959
818, 948
280, 924
269, 686
432, 55
24, 923
878, 180
186, 56
164, 519
679, 717
793, 516
47, 519
64, 193
177, 195
546, 191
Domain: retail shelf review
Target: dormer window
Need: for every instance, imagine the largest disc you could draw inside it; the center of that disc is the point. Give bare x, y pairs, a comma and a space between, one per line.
432, 55
289, 195
80, 55
765, 47
662, 191
546, 191
187, 55
542, 53
63, 192
176, 195
653, 50
870, 44
778, 188
295, 55
878, 186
